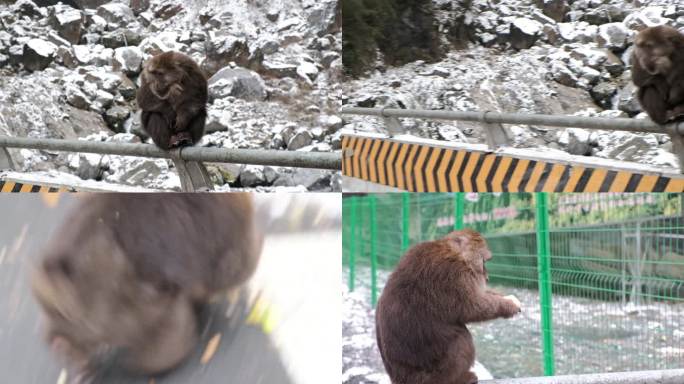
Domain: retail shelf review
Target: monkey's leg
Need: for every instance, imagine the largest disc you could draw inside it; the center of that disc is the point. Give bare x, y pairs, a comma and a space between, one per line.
192, 133
156, 125
173, 338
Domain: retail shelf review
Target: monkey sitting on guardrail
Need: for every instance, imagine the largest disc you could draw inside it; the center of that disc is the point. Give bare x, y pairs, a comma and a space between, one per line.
173, 96
127, 275
436, 289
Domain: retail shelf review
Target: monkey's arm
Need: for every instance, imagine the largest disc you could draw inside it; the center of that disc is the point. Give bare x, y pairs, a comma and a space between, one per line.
488, 305
653, 103
148, 101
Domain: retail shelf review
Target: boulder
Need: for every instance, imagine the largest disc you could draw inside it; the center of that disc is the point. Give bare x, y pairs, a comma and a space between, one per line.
38, 54
237, 82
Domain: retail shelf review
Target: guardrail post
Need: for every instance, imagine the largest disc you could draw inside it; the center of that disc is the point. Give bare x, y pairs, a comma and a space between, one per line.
373, 250
496, 135
676, 132
392, 124
352, 241
193, 174
544, 270
5, 160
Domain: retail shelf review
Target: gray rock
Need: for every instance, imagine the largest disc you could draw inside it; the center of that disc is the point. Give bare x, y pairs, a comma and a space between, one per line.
312, 179
121, 38
237, 82
89, 4
604, 14
222, 50
128, 60
168, 10
77, 98
613, 36
252, 176
279, 70
603, 93
38, 54
301, 139
627, 100
139, 6
555, 9
115, 118
68, 22
27, 8
524, 32
126, 88
116, 13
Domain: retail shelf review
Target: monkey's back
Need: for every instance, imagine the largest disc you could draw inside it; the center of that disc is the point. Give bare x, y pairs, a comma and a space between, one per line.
412, 331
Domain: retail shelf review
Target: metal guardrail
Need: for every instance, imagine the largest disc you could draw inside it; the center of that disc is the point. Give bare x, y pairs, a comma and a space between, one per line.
675, 376
188, 160
497, 136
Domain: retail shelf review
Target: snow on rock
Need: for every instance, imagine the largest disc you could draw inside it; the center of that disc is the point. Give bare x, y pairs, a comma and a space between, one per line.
38, 54
128, 59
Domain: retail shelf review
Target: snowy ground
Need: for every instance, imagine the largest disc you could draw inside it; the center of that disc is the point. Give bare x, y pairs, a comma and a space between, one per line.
590, 336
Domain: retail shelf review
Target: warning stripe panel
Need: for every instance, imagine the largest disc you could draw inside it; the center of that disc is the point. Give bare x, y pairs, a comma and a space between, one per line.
17, 187
419, 167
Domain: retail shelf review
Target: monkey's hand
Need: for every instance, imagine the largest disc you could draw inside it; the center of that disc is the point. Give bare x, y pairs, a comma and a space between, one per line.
514, 300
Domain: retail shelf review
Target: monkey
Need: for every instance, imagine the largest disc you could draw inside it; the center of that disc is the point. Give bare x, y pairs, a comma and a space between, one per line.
127, 275
658, 71
173, 96
436, 289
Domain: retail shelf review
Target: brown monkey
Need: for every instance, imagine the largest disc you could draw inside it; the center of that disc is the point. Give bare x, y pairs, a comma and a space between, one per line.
126, 275
436, 289
658, 71
173, 97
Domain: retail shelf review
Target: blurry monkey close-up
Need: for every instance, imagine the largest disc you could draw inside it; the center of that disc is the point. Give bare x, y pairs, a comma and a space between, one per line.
436, 289
129, 275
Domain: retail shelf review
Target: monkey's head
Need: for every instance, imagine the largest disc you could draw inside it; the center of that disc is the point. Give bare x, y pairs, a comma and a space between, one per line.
85, 287
472, 247
654, 46
166, 70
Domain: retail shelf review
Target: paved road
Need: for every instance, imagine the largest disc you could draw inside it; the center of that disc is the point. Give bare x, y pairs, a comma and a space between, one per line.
290, 335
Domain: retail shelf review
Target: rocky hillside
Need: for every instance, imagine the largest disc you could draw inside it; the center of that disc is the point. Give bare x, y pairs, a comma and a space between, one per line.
529, 56
71, 70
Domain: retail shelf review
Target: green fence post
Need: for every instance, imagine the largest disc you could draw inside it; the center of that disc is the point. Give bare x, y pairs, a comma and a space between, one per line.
373, 250
544, 268
459, 206
406, 212
352, 242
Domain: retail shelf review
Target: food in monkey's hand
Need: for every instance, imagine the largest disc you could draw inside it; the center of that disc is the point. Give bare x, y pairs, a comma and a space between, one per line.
436, 289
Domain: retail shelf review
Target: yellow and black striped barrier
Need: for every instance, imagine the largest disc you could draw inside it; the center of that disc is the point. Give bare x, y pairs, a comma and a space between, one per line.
16, 186
423, 167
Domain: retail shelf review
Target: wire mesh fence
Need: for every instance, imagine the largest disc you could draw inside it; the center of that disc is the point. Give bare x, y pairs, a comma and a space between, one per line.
601, 275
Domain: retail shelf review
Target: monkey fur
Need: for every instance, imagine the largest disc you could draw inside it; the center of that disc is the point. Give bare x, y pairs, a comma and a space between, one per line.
658, 71
173, 96
128, 275
436, 289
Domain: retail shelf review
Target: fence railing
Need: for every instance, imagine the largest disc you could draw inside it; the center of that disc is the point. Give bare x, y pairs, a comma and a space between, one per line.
188, 160
603, 274
674, 376
497, 136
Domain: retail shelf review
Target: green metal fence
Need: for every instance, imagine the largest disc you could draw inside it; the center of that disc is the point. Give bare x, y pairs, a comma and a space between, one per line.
603, 274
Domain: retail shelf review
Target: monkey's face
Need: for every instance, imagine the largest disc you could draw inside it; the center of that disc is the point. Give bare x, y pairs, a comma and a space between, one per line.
79, 288
653, 48
162, 72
